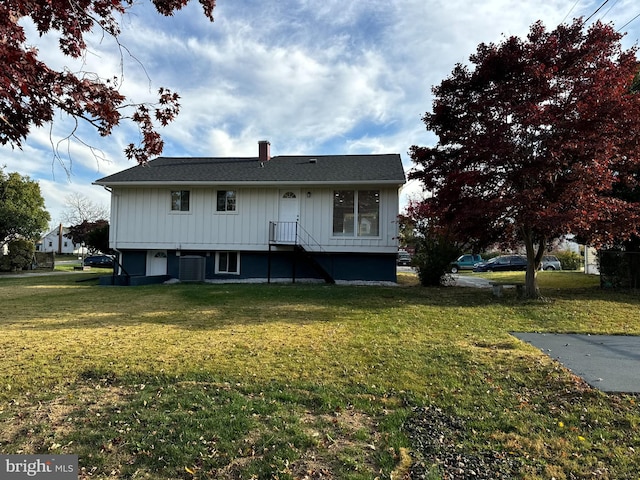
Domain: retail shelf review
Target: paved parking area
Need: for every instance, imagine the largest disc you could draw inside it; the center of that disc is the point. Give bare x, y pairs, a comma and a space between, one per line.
610, 363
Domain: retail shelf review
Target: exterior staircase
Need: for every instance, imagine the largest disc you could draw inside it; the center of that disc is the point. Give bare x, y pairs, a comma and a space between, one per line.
310, 259
304, 245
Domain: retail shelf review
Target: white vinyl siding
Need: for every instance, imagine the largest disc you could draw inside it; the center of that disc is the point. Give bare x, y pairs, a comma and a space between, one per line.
141, 220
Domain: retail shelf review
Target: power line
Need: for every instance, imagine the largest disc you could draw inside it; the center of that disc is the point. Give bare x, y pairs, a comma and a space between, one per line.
574, 6
629, 22
607, 12
597, 10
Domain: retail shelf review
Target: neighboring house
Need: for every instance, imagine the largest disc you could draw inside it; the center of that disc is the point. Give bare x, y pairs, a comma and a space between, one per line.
56, 241
590, 254
329, 217
591, 264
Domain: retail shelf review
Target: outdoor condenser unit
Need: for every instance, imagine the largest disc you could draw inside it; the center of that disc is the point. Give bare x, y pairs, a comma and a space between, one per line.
192, 268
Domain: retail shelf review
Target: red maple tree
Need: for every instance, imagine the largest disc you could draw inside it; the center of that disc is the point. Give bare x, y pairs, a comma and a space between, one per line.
533, 139
31, 93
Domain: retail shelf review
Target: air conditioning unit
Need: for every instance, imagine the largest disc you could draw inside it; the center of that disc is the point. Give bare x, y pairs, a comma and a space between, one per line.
192, 268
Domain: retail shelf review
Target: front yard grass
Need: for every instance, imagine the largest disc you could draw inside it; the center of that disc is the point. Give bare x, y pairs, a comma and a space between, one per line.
304, 381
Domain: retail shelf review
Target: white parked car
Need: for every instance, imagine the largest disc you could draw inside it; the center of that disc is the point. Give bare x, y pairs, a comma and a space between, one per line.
550, 262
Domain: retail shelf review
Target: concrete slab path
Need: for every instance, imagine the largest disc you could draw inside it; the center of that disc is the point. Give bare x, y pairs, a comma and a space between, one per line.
610, 363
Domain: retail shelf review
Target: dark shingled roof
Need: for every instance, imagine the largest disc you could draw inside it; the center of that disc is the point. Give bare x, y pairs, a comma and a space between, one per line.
281, 169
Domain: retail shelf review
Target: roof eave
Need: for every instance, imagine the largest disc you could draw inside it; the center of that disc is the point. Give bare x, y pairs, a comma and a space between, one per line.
247, 183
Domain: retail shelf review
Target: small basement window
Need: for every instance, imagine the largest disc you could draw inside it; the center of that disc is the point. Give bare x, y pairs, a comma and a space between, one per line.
228, 262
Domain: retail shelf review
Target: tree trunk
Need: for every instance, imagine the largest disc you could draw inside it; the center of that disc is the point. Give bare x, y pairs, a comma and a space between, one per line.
534, 256
531, 289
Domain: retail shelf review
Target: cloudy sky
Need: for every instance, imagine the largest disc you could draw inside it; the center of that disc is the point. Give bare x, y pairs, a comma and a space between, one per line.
329, 77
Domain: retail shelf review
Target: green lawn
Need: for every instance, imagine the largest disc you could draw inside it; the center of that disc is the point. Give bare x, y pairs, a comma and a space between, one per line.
304, 381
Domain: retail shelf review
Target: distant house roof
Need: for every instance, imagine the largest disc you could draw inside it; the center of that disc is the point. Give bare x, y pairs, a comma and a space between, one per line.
279, 170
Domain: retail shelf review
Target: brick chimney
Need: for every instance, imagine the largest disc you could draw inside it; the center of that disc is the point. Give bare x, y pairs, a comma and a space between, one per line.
264, 151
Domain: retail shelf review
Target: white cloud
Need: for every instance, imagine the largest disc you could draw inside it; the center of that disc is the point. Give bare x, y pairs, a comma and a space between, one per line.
328, 77
55, 194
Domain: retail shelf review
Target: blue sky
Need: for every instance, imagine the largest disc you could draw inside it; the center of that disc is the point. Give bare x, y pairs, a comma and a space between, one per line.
331, 77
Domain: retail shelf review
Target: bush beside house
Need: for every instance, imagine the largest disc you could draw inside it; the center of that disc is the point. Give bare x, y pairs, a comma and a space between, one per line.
619, 269
19, 256
569, 260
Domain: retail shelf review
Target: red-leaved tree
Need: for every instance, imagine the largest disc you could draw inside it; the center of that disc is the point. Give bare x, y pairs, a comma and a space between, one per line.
534, 137
93, 234
31, 93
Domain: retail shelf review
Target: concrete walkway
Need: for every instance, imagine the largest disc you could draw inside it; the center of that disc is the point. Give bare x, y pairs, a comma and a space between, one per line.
31, 273
610, 363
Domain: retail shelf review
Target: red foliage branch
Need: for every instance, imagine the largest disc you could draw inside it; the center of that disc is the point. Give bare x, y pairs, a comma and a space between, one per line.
31, 92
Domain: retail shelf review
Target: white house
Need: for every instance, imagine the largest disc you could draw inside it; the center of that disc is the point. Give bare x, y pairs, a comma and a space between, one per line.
591, 264
328, 217
56, 241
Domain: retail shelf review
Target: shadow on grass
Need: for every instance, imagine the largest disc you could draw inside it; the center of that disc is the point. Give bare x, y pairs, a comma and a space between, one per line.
74, 302
220, 306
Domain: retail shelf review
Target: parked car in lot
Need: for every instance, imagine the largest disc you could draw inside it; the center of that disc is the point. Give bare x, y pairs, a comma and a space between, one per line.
404, 259
464, 262
502, 263
550, 262
104, 261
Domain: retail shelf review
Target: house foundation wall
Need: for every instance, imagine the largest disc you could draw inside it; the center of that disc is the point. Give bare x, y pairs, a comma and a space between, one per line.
277, 265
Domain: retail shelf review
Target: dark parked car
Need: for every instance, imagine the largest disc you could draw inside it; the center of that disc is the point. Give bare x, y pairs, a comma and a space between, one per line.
502, 263
465, 262
105, 261
404, 259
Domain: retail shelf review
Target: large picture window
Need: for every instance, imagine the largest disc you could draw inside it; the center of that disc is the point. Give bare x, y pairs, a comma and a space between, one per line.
356, 213
343, 212
228, 262
226, 201
180, 200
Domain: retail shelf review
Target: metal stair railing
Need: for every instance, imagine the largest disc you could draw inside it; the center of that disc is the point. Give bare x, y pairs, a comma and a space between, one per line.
292, 233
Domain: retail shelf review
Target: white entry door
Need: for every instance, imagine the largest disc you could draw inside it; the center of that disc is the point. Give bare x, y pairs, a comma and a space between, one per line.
288, 216
156, 262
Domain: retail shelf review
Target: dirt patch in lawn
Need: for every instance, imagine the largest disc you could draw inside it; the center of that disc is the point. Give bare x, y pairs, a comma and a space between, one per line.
337, 437
31, 426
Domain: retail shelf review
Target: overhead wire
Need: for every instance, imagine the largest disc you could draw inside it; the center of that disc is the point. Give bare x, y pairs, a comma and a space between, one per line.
597, 10
634, 18
607, 12
569, 13
604, 15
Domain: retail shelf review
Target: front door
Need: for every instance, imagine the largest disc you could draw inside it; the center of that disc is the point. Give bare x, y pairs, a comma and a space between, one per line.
156, 262
288, 216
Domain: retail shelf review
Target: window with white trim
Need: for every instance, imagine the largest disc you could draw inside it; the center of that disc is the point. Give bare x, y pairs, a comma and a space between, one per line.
180, 200
228, 262
226, 201
356, 213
